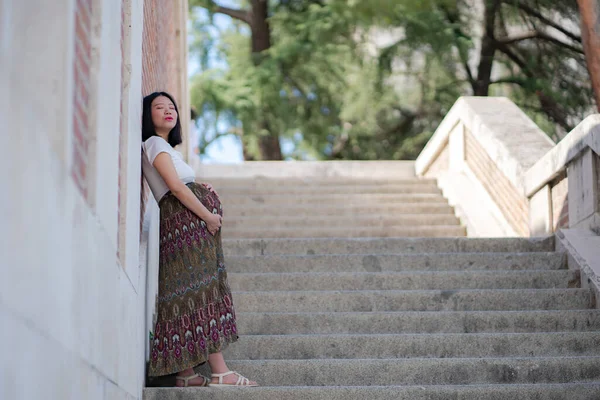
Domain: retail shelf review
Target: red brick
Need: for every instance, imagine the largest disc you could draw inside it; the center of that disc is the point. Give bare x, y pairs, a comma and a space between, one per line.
80, 165
158, 58
82, 59
85, 9
80, 131
81, 74
511, 203
82, 32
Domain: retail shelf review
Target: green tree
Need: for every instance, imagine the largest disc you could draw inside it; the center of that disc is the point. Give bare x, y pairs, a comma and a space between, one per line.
307, 71
529, 50
256, 18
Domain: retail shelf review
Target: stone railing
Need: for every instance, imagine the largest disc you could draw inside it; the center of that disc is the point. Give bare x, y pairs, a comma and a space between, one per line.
480, 155
563, 189
563, 186
505, 177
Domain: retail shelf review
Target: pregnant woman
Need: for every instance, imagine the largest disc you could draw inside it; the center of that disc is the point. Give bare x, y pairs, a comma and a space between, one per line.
195, 313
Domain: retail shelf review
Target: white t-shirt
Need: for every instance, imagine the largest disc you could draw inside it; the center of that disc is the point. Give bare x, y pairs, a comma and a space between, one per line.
153, 147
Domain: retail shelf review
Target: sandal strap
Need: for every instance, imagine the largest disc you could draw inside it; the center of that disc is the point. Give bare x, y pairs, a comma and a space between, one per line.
221, 376
185, 379
242, 381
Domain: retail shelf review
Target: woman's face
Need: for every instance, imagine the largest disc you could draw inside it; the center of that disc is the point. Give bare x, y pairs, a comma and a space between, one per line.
164, 116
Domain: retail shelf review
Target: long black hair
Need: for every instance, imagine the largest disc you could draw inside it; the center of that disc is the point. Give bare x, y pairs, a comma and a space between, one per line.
148, 129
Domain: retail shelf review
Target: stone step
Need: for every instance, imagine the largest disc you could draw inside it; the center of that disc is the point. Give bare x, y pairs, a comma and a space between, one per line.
340, 210
418, 322
315, 182
308, 170
327, 189
424, 371
357, 199
435, 280
397, 262
302, 221
570, 391
357, 231
465, 345
414, 300
374, 246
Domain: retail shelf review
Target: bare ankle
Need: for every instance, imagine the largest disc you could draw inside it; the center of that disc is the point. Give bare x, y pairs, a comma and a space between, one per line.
219, 371
186, 372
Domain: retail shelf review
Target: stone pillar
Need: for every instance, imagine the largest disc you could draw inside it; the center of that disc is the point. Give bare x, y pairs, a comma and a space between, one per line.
584, 199
540, 212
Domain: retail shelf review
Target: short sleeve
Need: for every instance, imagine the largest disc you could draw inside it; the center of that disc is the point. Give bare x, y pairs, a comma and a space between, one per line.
156, 145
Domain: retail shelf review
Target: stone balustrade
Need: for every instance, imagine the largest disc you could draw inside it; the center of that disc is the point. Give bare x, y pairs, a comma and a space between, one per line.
505, 177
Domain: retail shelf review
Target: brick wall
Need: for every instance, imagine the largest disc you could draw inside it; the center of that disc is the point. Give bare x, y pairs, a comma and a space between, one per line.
81, 94
159, 52
160, 48
512, 205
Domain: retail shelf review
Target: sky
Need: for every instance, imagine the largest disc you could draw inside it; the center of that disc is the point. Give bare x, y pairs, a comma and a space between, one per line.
228, 149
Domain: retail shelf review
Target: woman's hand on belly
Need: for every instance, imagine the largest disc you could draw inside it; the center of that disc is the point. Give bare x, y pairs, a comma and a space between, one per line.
210, 188
213, 223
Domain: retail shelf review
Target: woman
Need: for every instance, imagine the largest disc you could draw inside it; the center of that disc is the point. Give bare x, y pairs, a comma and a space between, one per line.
195, 314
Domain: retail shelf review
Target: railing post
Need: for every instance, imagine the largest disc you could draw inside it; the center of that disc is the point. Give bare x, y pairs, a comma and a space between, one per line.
540, 212
583, 190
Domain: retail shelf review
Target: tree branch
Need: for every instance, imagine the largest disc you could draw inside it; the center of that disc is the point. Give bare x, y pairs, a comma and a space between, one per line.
458, 33
241, 15
542, 36
548, 22
514, 57
212, 6
514, 81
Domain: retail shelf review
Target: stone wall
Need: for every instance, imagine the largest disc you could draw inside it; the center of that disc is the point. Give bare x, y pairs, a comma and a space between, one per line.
512, 204
560, 204
441, 163
73, 287
480, 154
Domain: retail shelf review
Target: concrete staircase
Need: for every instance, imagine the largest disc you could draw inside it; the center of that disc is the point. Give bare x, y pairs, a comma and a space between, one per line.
326, 314
336, 207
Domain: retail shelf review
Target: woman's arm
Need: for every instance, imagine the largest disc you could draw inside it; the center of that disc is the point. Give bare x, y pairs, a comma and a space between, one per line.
166, 169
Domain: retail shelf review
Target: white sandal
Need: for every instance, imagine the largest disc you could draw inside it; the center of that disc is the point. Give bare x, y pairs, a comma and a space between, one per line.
242, 381
185, 380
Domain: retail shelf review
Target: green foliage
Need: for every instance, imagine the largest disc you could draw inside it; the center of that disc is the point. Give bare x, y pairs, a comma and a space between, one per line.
321, 87
545, 73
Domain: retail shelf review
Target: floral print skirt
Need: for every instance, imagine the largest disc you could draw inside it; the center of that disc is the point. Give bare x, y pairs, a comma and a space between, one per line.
194, 313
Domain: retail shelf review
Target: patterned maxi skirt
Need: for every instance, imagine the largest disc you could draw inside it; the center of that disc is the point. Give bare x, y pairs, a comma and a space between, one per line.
195, 315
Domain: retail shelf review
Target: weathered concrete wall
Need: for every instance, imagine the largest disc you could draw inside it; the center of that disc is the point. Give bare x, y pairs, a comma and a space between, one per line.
72, 293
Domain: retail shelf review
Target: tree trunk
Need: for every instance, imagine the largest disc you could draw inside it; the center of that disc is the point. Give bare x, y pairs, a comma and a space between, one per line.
488, 49
590, 33
269, 146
